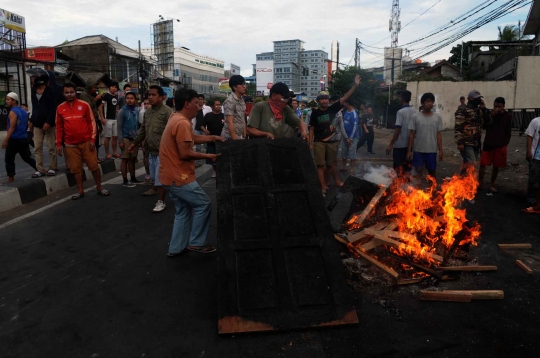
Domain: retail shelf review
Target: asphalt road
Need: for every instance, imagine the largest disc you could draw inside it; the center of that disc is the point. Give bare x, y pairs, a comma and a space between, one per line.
90, 278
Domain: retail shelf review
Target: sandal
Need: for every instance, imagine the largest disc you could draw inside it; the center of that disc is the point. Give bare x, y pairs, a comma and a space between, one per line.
206, 249
103, 192
108, 156
530, 210
51, 173
37, 174
116, 155
77, 196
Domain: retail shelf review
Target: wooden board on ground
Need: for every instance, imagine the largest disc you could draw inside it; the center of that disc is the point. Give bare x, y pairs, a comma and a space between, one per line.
371, 205
278, 270
443, 296
375, 262
515, 246
524, 266
481, 294
468, 268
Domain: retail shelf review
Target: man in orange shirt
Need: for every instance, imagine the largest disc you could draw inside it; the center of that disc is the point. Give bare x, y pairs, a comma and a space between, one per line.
177, 175
76, 129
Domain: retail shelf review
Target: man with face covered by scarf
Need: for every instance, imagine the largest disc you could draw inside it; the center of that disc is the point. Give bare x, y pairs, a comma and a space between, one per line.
127, 121
274, 118
468, 127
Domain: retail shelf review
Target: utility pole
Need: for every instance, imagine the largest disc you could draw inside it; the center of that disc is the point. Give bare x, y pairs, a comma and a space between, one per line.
356, 53
461, 60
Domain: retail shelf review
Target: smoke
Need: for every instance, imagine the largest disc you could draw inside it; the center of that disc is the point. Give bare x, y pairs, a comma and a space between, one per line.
378, 174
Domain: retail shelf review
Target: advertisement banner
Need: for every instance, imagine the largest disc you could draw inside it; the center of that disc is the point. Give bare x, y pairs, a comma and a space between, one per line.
265, 75
235, 70
42, 54
168, 91
224, 85
12, 21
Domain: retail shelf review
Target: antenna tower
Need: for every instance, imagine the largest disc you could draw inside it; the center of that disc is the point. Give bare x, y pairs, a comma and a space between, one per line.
395, 24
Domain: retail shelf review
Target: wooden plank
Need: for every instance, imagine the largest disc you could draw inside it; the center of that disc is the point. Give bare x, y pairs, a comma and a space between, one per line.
469, 268
371, 205
389, 225
371, 244
515, 246
375, 262
524, 267
447, 297
383, 236
411, 281
340, 239
481, 294
392, 226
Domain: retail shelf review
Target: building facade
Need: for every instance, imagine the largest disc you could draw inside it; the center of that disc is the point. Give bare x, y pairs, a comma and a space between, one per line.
199, 72
287, 67
264, 72
316, 63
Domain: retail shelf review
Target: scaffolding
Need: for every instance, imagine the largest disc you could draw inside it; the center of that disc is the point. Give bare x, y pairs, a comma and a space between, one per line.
163, 45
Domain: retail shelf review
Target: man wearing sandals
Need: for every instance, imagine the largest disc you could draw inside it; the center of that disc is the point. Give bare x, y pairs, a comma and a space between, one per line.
177, 174
76, 129
42, 124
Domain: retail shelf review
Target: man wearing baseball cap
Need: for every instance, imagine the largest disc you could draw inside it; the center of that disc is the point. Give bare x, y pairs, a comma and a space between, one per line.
274, 118
468, 127
322, 131
16, 140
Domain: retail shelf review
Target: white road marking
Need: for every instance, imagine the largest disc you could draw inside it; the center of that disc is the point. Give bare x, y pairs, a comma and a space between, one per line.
117, 180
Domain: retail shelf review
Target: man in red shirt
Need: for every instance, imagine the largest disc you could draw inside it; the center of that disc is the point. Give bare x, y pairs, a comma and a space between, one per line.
76, 129
177, 175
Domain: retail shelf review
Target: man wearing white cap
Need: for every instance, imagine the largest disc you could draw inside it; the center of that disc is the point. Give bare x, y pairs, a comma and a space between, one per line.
16, 140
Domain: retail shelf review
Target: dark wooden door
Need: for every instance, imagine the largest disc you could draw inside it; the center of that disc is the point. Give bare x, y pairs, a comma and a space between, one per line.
279, 267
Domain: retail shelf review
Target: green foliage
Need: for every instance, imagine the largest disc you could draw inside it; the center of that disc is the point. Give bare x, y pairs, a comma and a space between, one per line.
251, 89
455, 59
343, 79
508, 33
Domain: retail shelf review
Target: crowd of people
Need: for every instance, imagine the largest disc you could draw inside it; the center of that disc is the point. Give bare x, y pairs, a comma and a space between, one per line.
172, 139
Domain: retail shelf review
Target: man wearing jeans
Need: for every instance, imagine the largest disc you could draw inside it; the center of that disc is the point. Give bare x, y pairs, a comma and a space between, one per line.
177, 174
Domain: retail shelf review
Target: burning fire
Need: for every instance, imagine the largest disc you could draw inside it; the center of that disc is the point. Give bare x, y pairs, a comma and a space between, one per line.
431, 219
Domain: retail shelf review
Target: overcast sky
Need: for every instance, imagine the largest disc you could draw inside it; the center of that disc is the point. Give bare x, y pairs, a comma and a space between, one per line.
234, 31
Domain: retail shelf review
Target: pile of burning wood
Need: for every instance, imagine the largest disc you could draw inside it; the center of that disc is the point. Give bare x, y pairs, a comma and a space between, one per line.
412, 234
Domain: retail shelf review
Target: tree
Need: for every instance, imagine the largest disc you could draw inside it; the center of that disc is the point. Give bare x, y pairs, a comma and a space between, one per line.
251, 89
456, 58
508, 33
343, 79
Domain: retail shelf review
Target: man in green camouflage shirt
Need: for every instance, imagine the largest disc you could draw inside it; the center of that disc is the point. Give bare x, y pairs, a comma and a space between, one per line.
468, 127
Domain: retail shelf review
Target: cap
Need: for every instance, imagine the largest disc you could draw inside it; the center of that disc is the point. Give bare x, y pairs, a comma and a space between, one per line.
41, 80
323, 95
280, 88
13, 95
474, 94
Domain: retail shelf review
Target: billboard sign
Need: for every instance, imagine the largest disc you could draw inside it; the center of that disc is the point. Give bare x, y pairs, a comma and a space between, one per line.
392, 63
265, 75
42, 54
164, 46
235, 70
224, 85
12, 21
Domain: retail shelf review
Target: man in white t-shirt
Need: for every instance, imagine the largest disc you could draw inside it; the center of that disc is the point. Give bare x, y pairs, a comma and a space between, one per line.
533, 157
400, 141
425, 138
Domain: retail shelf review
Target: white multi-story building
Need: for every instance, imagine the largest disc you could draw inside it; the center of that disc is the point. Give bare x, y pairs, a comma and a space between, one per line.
315, 61
287, 67
201, 73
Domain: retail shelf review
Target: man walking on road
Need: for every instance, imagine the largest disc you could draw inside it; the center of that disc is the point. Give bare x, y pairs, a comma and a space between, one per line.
76, 129
400, 141
16, 140
108, 111
177, 173
321, 132
367, 124
498, 133
128, 125
151, 131
234, 108
42, 123
468, 127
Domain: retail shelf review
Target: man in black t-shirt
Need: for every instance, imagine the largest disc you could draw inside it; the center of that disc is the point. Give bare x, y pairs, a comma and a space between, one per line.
366, 122
322, 131
212, 124
107, 113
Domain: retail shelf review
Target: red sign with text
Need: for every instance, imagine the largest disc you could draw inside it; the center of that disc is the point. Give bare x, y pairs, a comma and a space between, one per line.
42, 54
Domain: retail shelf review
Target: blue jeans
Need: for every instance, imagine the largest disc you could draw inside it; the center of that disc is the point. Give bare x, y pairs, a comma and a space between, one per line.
189, 200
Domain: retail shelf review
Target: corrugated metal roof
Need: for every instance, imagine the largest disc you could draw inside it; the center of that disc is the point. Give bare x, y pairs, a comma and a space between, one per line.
97, 39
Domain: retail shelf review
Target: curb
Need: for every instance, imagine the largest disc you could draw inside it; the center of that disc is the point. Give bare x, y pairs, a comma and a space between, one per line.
25, 191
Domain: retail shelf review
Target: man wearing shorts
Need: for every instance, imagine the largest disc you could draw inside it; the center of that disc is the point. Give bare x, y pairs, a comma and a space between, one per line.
498, 132
128, 125
425, 137
108, 111
154, 122
322, 131
76, 129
